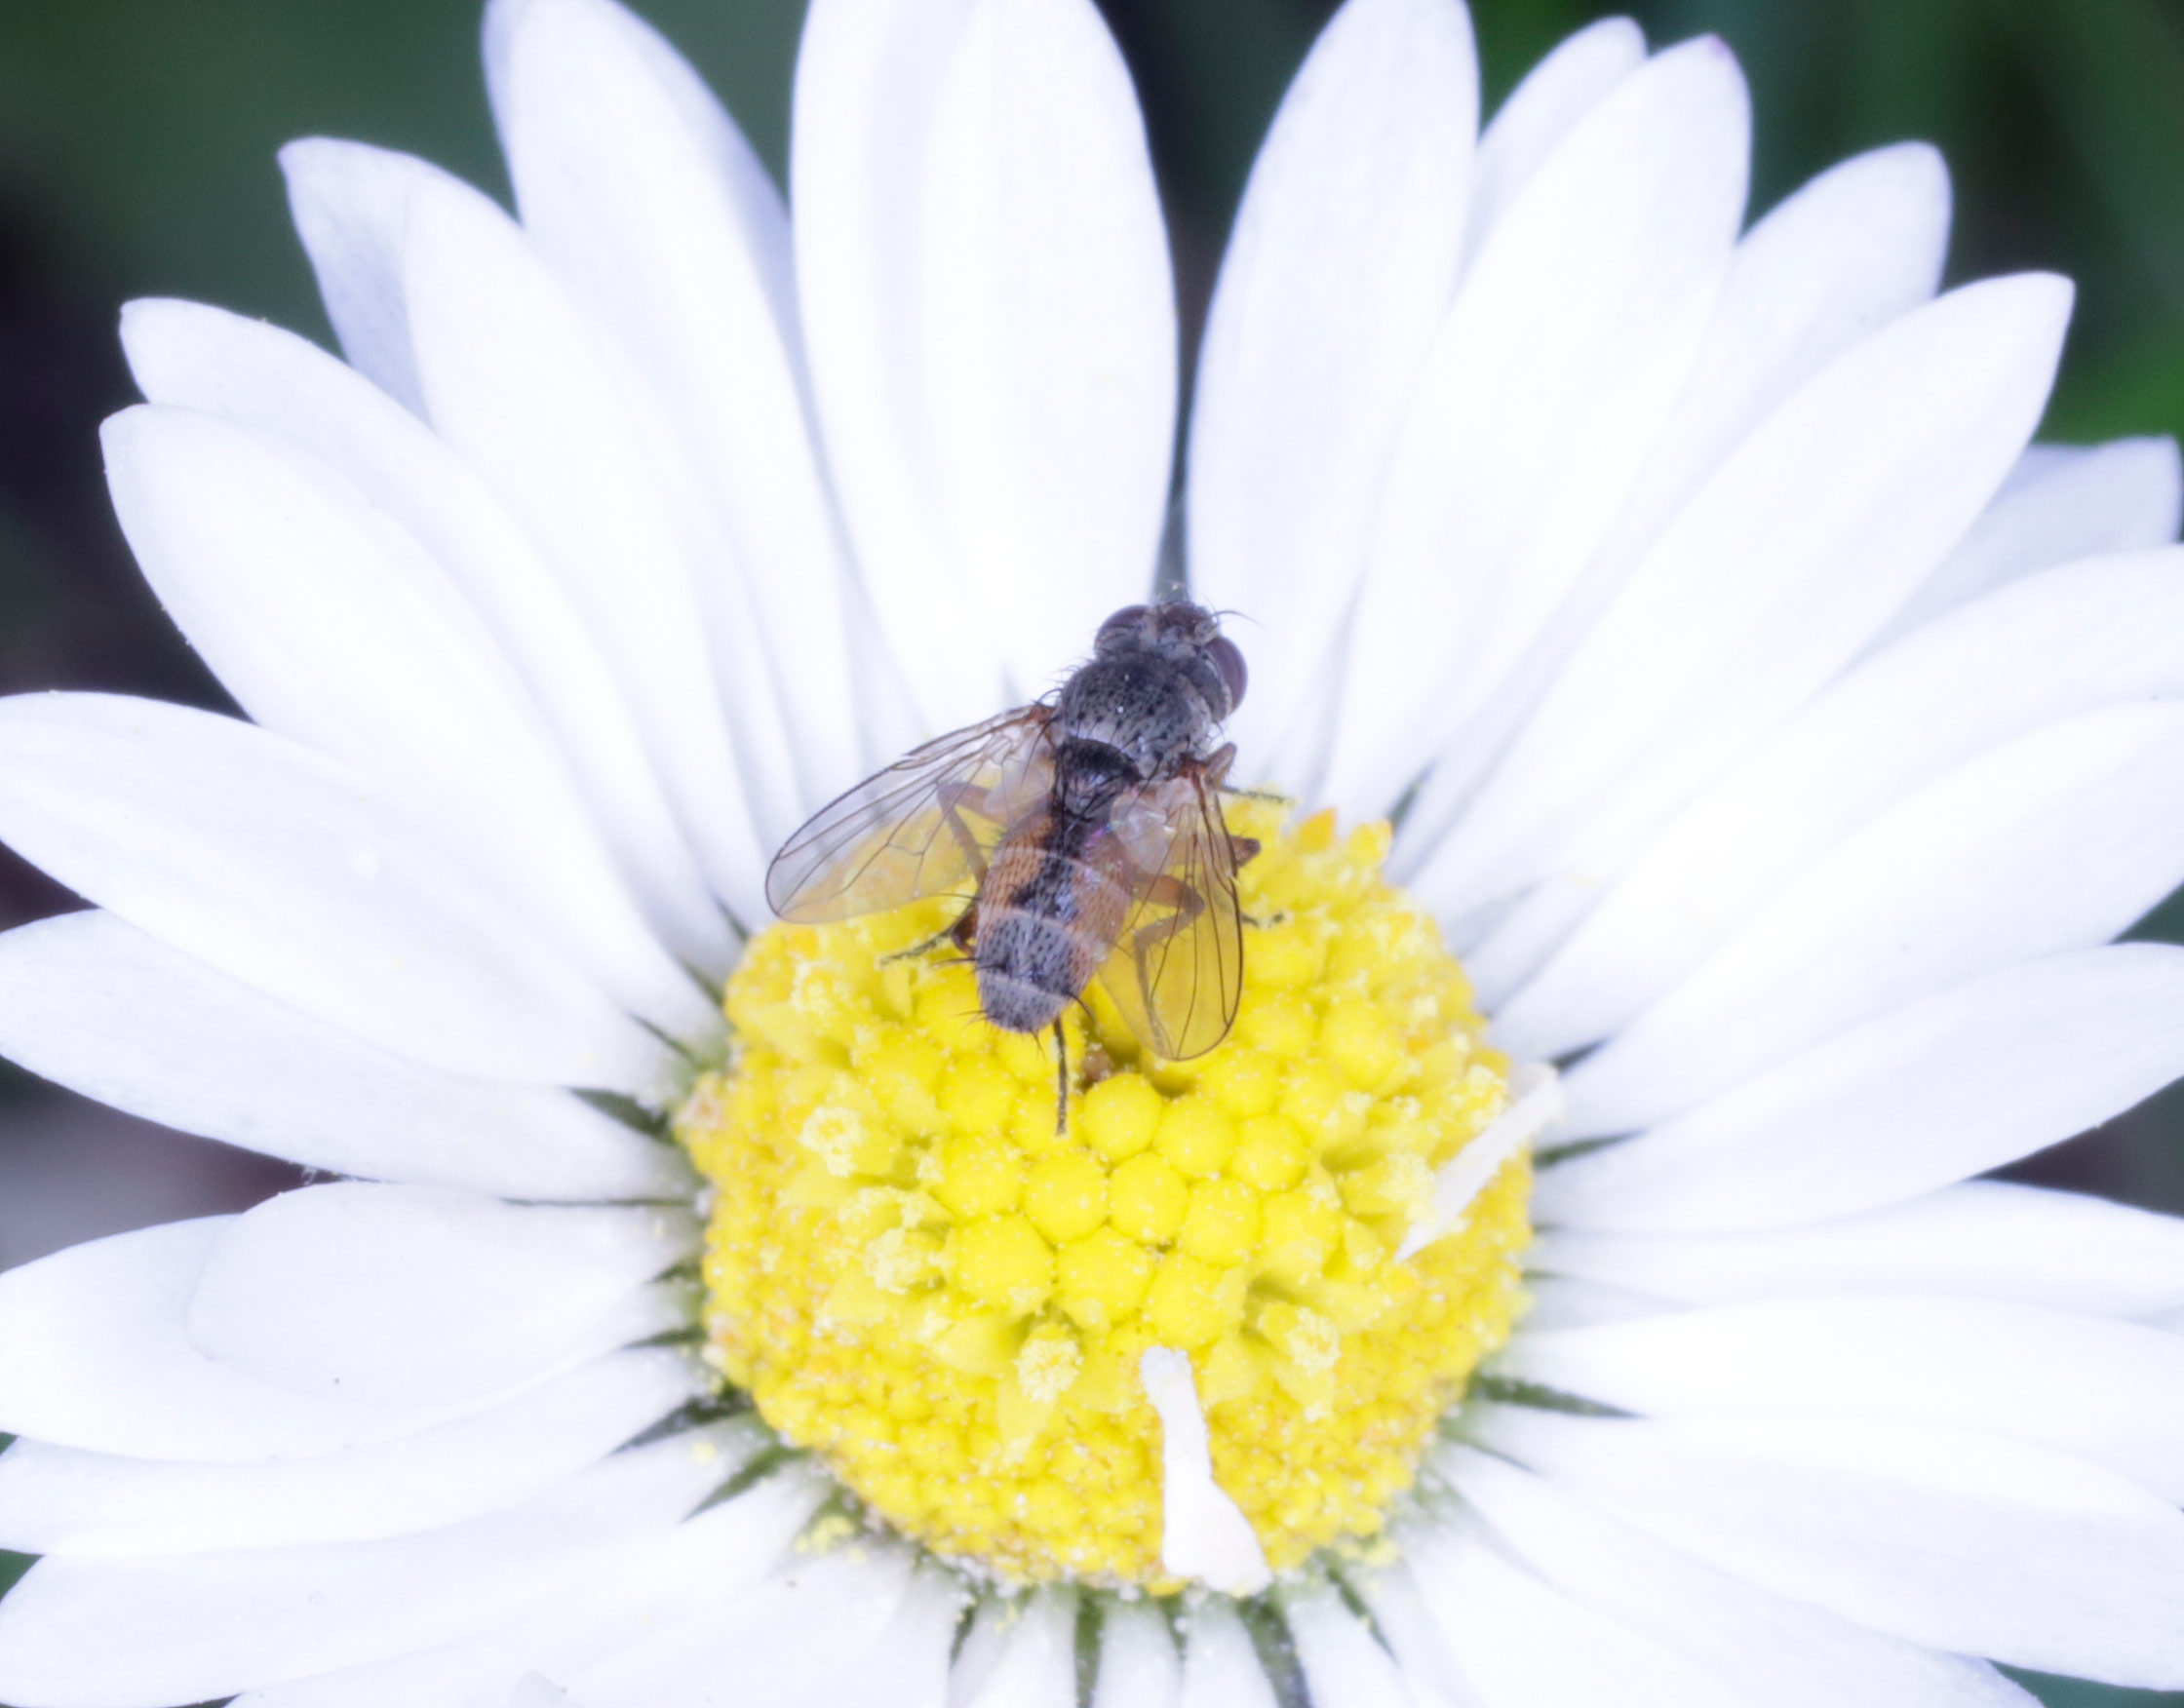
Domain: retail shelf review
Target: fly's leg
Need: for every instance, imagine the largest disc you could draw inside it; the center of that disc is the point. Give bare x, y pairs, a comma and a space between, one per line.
952, 800
955, 931
1169, 891
1242, 849
1061, 1081
958, 795
1216, 775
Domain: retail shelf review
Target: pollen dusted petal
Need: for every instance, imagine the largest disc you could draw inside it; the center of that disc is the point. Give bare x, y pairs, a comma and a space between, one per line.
1534, 1104
916, 1276
1204, 1536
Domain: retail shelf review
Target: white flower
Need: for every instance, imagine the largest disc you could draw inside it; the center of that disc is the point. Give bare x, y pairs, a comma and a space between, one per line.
1794, 742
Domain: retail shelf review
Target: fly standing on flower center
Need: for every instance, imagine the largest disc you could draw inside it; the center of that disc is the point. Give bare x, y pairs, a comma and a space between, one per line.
1088, 825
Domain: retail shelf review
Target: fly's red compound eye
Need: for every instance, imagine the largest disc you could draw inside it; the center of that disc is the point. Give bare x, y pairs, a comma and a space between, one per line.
1229, 662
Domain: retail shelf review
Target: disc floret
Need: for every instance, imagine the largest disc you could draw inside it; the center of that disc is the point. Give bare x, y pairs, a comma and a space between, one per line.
918, 1279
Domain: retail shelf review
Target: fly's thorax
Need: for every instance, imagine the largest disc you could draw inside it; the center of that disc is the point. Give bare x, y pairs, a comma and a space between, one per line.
1149, 707
1089, 777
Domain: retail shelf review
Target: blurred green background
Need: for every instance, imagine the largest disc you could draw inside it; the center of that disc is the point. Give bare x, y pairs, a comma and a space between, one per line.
137, 142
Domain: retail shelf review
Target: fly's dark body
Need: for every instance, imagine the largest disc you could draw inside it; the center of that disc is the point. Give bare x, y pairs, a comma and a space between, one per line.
1090, 825
1150, 703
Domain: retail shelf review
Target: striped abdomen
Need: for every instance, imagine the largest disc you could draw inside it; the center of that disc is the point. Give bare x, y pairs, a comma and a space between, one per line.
1054, 901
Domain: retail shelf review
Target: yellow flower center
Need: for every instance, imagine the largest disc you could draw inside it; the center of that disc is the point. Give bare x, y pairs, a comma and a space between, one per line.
918, 1279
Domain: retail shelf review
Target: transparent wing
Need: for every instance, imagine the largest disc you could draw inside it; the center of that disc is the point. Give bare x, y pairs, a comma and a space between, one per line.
920, 828
1177, 972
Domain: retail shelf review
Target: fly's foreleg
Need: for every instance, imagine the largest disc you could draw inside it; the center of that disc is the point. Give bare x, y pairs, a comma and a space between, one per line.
1217, 777
959, 931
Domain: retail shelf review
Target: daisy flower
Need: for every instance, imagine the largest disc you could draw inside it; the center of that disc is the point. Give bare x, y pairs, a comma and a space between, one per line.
1567, 1282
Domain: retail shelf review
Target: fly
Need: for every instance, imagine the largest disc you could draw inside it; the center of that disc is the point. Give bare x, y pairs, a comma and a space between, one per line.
1088, 828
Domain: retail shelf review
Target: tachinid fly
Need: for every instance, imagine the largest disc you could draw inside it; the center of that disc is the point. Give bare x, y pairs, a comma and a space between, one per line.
1087, 827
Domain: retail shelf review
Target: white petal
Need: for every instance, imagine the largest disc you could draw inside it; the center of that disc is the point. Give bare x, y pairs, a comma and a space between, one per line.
349, 213
908, 1668
1342, 1661
1981, 1239
1219, 1668
1337, 276
102, 1633
60, 1501
1554, 96
789, 1639
1032, 1662
1205, 1534
1139, 1666
536, 1691
978, 236
285, 870
1045, 331
280, 385
1523, 1644
1853, 248
648, 200
1947, 1087
631, 1603
99, 1358
2060, 503
1570, 1302
551, 412
1752, 1646
1541, 400
333, 627
980, 1646
527, 390
1833, 263
2069, 641
417, 1296
1773, 576
867, 78
2052, 842
1955, 1540
2105, 1391
95, 1005
1407, 1624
